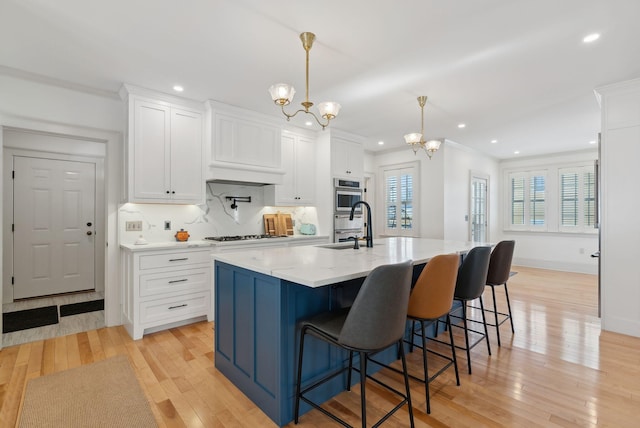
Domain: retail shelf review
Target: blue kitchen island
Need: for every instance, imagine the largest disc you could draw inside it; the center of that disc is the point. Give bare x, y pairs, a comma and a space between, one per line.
261, 295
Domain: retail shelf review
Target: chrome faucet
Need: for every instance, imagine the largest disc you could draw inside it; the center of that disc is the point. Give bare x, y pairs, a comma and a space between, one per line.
369, 236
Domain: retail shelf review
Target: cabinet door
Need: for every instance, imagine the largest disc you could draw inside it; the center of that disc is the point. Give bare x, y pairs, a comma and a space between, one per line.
286, 192
355, 158
150, 151
187, 183
305, 168
347, 159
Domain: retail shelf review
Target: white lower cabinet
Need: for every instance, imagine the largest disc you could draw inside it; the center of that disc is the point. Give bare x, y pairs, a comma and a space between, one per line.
165, 287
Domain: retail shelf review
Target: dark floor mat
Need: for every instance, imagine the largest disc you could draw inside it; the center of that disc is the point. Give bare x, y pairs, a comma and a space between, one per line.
81, 308
29, 318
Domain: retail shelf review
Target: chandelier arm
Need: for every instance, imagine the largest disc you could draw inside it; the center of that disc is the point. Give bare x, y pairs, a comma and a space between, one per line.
289, 116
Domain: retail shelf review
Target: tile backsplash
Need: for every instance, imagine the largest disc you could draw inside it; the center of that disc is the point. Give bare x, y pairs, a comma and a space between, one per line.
214, 218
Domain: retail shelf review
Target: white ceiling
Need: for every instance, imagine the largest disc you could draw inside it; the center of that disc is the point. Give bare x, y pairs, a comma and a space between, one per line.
512, 70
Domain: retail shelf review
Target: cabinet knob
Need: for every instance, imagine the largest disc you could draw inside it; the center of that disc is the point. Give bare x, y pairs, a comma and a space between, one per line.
167, 192
89, 224
173, 192
89, 233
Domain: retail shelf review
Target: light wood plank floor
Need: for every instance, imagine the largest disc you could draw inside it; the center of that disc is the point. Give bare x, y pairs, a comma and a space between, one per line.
558, 369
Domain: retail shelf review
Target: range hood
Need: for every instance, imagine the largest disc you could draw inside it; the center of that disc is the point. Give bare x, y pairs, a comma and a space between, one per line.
231, 173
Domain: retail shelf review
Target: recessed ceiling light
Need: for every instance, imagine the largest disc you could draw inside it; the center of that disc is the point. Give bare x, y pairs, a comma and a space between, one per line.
381, 143
592, 142
308, 123
461, 125
591, 38
494, 141
517, 152
178, 88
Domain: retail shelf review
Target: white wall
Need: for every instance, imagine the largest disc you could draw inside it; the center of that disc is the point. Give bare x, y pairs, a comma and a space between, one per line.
460, 162
620, 228
549, 250
70, 111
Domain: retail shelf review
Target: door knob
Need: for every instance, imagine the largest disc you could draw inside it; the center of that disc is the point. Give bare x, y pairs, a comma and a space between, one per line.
89, 233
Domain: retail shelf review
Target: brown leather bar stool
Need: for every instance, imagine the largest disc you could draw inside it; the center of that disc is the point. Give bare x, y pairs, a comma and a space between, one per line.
498, 275
430, 300
375, 321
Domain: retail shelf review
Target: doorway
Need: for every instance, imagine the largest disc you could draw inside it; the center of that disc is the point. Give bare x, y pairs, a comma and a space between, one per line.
53, 226
479, 211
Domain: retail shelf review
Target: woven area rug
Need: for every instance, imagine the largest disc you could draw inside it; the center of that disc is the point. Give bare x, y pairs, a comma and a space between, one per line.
102, 394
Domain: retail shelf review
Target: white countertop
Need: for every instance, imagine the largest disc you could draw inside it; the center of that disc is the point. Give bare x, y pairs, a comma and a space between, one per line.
315, 266
171, 245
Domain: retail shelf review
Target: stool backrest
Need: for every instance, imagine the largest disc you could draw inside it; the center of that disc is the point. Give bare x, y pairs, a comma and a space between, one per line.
432, 295
378, 315
472, 275
500, 263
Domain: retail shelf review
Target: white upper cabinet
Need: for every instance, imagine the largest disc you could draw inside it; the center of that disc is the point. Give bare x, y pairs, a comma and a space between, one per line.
347, 159
299, 182
165, 152
244, 145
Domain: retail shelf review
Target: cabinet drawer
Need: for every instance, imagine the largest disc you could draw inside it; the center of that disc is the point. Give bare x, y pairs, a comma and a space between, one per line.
152, 261
187, 280
164, 311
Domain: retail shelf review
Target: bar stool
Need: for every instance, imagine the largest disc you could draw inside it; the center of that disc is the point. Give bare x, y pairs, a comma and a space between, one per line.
375, 321
472, 277
431, 299
498, 274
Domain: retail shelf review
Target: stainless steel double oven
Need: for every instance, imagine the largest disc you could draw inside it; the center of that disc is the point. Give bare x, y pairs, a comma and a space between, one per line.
347, 193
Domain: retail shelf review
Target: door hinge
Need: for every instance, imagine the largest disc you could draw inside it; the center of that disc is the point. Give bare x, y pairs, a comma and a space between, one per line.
13, 227
12, 280
13, 174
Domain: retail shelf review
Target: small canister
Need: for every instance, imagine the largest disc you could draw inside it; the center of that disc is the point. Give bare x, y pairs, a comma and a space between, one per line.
182, 235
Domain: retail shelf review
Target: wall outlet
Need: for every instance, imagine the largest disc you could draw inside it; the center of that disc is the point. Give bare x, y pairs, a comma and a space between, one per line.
133, 226
167, 225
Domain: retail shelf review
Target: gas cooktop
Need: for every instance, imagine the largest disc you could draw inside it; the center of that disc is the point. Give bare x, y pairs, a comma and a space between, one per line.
241, 237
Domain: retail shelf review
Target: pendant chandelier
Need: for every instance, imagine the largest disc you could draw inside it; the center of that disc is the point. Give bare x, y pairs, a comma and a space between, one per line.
282, 93
416, 140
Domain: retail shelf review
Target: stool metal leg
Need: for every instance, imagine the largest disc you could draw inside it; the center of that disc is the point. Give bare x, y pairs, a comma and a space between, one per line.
406, 383
484, 322
466, 334
495, 313
453, 350
363, 381
506, 293
424, 364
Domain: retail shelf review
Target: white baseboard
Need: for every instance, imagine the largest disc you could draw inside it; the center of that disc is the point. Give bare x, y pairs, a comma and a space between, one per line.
591, 268
617, 324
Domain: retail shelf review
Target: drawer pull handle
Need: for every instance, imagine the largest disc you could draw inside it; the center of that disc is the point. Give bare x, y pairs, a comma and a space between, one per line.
179, 260
178, 306
178, 280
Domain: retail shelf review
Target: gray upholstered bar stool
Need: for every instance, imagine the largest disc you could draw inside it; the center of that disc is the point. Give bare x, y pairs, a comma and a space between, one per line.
375, 321
472, 277
498, 275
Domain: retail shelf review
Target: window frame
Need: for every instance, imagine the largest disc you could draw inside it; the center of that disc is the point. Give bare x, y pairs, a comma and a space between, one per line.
414, 168
581, 170
553, 196
527, 175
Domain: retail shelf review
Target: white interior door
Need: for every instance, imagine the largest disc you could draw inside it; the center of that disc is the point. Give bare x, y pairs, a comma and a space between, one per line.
54, 226
479, 211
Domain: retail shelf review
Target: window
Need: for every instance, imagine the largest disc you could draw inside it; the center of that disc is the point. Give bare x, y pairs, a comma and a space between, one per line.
399, 188
556, 198
577, 198
528, 200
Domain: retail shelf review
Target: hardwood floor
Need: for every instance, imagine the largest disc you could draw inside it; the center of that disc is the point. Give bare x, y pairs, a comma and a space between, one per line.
558, 369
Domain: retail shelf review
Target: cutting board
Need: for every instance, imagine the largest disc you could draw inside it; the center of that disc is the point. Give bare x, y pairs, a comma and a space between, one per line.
278, 224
